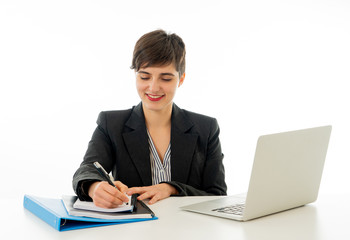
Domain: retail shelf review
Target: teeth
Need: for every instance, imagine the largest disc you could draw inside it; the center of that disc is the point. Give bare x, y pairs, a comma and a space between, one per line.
154, 96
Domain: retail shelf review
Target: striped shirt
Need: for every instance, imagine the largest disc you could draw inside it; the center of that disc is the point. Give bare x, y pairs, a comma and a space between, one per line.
161, 172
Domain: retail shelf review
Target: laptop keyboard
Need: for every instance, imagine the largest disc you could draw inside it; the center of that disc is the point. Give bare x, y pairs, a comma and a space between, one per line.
236, 209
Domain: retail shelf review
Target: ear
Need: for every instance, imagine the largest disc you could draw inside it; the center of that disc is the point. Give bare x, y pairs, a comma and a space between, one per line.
182, 79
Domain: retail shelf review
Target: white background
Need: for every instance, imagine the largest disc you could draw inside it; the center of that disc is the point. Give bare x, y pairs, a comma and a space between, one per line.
259, 67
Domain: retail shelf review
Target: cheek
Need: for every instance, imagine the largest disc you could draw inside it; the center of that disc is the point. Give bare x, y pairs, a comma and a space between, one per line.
140, 86
172, 89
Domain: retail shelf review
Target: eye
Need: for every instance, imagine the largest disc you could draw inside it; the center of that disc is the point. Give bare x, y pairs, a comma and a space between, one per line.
167, 79
144, 77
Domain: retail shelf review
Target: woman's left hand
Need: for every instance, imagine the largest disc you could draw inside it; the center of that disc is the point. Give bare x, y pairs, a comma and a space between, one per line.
154, 192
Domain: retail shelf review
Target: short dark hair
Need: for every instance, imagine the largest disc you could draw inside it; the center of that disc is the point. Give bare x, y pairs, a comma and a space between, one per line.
158, 48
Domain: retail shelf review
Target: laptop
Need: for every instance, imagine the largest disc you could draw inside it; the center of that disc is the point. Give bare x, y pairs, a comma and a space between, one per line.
286, 174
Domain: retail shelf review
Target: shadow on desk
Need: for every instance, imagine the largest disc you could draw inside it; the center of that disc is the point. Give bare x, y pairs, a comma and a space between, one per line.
299, 223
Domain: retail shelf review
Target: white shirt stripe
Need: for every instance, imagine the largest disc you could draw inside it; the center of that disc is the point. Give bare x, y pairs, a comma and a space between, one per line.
161, 172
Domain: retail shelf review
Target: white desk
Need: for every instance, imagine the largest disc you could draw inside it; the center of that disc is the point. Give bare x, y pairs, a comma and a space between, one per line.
325, 219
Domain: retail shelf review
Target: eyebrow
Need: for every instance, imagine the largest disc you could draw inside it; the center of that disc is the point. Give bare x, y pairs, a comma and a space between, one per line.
163, 74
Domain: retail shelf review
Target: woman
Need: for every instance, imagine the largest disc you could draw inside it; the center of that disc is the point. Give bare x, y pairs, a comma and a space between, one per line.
154, 149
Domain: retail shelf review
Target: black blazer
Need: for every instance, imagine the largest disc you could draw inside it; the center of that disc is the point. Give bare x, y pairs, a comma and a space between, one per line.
120, 144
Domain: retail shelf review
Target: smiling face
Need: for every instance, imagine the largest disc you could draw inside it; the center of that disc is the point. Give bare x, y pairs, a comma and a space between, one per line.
157, 86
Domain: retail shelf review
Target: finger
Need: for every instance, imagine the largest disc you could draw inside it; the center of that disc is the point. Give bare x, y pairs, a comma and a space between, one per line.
146, 195
117, 193
136, 190
155, 199
122, 187
108, 196
108, 202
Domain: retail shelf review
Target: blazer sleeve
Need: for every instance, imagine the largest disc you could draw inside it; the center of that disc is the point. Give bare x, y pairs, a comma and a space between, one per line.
213, 173
100, 149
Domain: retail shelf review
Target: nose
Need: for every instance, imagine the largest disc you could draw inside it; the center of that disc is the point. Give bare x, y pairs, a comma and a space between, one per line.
154, 85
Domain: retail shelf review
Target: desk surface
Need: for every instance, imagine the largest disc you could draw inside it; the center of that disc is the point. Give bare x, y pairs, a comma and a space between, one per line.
325, 219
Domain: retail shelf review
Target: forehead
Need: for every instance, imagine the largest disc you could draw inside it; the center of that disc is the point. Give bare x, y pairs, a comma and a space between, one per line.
159, 69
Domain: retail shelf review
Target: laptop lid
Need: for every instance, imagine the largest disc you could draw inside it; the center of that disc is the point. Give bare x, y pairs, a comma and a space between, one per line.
287, 171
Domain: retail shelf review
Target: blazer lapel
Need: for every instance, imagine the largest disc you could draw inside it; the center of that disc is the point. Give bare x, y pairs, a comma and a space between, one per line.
136, 142
183, 143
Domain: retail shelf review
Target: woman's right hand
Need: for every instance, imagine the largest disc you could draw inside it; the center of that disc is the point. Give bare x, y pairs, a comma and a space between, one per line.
106, 196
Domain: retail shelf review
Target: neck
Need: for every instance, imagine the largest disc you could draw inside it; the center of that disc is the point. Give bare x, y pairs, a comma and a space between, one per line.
157, 119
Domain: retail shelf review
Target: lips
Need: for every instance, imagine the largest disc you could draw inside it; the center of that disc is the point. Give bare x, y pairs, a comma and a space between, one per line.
154, 98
